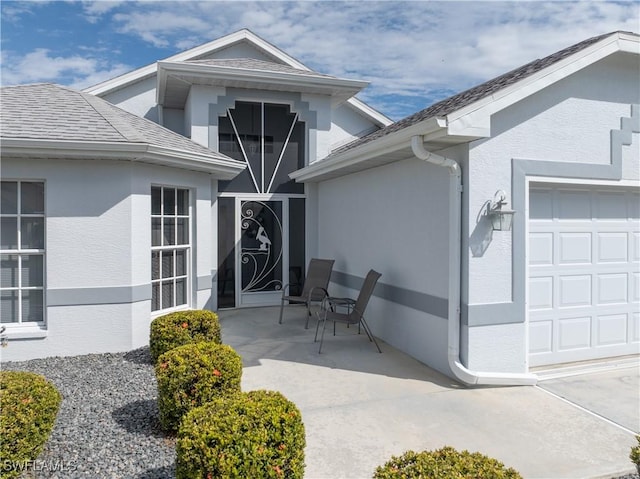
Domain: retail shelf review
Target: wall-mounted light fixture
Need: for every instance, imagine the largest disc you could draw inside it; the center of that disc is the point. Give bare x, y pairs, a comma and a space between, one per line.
501, 218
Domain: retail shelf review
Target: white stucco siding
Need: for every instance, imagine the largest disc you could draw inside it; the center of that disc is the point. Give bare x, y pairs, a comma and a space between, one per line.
631, 159
563, 133
571, 122
98, 252
138, 98
393, 219
347, 125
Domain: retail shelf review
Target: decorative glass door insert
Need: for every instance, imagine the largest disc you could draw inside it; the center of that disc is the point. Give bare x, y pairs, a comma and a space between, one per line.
261, 249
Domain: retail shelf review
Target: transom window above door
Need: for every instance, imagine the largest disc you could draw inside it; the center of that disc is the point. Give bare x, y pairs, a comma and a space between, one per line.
270, 139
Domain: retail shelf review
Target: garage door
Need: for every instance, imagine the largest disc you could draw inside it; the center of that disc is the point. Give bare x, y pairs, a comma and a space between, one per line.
584, 273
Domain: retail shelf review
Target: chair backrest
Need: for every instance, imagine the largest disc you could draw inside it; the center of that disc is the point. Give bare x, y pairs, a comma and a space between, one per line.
318, 275
366, 291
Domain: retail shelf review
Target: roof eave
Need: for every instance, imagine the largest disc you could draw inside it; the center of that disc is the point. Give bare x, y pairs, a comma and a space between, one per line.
121, 81
475, 118
142, 152
339, 88
359, 158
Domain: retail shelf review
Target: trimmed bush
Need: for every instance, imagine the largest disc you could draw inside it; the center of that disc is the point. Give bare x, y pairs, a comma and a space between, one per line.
191, 375
258, 434
635, 454
445, 463
28, 408
180, 328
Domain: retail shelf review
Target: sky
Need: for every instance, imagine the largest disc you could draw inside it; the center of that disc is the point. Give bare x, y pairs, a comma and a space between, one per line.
413, 53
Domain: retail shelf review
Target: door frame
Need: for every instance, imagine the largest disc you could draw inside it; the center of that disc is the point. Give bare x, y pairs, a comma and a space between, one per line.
270, 298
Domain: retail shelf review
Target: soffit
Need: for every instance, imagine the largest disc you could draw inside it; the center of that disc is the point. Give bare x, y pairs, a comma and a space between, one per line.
175, 79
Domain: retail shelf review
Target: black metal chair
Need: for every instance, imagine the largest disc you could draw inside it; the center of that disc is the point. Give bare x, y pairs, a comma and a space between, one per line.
355, 310
314, 289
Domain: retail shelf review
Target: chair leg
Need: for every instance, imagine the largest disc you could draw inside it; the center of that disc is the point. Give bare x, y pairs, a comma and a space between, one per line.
281, 309
315, 338
306, 326
324, 325
368, 331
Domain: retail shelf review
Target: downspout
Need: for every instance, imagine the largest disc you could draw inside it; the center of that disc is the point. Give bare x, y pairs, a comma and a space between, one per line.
461, 372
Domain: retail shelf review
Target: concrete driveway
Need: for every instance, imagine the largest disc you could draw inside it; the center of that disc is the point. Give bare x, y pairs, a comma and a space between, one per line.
361, 407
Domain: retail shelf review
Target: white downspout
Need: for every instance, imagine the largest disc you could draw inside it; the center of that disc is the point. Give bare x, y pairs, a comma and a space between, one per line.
464, 374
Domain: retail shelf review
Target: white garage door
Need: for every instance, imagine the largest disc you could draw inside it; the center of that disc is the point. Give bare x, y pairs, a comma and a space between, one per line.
584, 273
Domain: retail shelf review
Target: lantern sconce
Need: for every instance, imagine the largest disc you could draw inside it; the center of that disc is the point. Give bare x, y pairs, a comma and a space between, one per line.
501, 218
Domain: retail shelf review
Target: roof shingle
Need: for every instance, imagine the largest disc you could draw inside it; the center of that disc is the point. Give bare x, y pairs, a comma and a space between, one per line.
467, 97
52, 112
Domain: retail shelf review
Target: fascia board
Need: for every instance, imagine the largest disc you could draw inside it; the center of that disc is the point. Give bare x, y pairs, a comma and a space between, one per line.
226, 73
19, 147
375, 148
476, 116
210, 47
372, 114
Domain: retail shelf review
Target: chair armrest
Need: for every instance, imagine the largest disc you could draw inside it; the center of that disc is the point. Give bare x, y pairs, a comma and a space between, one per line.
326, 293
284, 289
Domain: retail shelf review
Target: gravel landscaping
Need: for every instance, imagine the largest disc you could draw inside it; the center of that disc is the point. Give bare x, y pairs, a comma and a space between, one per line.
107, 426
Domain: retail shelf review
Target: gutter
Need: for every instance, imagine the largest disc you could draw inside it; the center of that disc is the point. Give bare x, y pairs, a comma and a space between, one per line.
467, 376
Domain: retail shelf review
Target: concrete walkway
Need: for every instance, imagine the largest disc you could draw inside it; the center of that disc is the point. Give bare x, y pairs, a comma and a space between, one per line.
361, 407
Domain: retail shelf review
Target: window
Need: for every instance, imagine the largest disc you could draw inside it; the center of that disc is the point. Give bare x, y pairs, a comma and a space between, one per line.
170, 247
270, 139
22, 249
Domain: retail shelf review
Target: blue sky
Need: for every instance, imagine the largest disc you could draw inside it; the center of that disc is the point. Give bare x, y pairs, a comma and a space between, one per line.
413, 53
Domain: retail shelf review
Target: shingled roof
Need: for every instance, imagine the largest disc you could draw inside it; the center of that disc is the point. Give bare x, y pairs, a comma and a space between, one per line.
260, 65
47, 111
467, 97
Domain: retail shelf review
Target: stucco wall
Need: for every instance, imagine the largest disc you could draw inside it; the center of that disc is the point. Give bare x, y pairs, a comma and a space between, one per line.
393, 219
568, 123
138, 98
98, 244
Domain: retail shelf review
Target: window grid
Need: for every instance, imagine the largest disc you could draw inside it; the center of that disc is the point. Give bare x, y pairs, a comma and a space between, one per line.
171, 247
13, 289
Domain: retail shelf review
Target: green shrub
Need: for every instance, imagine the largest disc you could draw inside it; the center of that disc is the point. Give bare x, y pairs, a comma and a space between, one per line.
635, 454
445, 463
28, 408
255, 435
191, 375
180, 328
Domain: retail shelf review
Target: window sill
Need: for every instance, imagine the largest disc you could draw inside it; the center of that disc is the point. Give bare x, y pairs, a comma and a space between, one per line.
24, 332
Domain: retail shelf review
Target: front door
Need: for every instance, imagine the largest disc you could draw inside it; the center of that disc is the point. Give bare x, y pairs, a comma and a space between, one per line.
262, 252
261, 212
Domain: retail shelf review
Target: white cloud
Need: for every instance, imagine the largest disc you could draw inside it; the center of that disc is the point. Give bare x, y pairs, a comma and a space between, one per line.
407, 50
40, 66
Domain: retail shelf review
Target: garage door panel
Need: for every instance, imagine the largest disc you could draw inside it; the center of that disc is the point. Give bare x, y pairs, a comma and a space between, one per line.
541, 337
612, 288
575, 248
611, 206
611, 329
575, 290
584, 273
541, 293
635, 247
541, 249
574, 333
634, 328
612, 247
573, 205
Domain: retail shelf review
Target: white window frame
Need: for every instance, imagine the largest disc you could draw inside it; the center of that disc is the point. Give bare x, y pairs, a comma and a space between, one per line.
172, 248
20, 252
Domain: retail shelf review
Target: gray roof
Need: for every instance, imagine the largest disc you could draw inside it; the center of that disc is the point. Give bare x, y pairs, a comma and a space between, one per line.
46, 111
261, 65
467, 97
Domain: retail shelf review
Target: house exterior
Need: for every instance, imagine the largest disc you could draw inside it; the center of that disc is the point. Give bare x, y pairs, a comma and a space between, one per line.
289, 165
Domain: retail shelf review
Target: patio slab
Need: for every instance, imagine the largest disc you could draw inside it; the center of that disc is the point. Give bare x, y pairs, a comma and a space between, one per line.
361, 407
